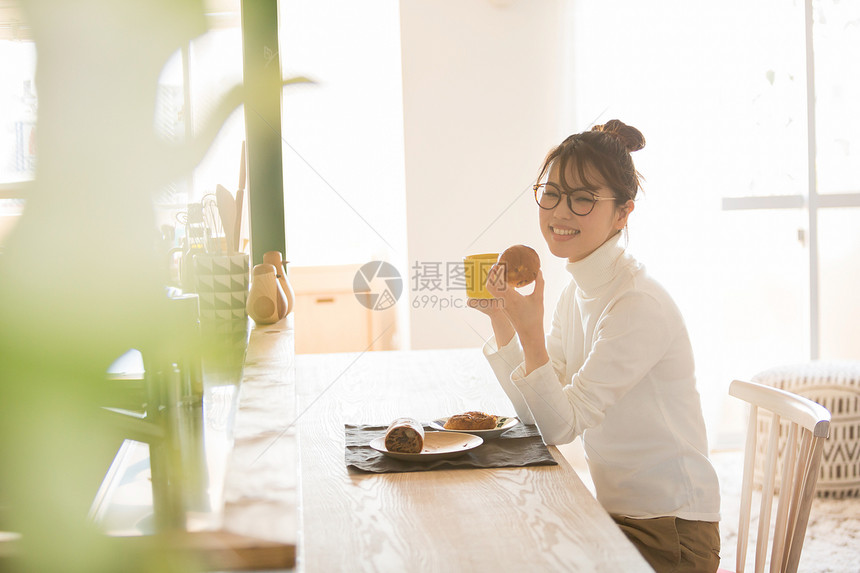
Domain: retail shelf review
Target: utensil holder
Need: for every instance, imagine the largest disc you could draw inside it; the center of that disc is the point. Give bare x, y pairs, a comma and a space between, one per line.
222, 285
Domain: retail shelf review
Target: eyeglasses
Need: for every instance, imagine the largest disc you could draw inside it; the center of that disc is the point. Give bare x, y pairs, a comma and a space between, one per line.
580, 202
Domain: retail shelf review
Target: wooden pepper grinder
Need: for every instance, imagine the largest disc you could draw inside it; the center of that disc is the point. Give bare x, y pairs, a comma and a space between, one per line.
267, 302
275, 259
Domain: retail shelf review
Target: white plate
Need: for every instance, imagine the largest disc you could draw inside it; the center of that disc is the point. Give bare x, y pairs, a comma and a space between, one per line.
437, 446
503, 424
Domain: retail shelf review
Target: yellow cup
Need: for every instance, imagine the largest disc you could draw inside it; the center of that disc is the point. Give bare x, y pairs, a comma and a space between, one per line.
477, 267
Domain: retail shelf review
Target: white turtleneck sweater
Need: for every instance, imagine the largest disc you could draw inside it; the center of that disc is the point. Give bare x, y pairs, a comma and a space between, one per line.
620, 374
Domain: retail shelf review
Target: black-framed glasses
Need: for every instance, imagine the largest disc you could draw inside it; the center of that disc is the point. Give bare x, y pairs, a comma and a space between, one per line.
581, 202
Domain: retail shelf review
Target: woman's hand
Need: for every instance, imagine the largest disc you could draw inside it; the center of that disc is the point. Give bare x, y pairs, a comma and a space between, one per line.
525, 314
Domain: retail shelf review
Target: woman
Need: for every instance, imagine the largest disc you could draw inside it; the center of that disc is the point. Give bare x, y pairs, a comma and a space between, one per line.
617, 367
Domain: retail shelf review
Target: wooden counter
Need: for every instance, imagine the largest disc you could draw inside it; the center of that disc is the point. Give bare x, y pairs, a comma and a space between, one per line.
260, 487
241, 505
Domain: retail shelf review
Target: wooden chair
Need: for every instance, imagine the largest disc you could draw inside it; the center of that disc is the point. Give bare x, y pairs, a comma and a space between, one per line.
796, 453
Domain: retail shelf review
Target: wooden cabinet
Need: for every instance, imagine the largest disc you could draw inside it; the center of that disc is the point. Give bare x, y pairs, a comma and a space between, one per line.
331, 322
329, 317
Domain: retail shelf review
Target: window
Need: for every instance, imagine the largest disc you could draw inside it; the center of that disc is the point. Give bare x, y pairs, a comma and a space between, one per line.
750, 209
213, 62
343, 135
831, 186
19, 107
190, 85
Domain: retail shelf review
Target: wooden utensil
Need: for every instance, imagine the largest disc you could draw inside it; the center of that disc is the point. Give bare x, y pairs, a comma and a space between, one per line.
227, 212
240, 198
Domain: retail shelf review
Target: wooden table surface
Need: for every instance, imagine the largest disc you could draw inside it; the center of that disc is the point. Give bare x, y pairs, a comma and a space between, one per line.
507, 519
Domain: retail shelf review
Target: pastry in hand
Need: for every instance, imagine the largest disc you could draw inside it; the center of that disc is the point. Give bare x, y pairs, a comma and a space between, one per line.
405, 436
521, 265
471, 421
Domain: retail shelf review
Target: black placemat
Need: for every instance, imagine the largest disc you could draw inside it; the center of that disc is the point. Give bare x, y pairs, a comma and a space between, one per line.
518, 447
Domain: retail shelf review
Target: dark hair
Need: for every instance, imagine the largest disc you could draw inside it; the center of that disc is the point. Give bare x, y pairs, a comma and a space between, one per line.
606, 148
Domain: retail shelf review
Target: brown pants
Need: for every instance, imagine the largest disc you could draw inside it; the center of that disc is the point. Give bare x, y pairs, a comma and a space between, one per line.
671, 544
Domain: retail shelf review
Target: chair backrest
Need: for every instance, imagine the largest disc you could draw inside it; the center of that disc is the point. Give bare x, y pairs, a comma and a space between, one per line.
797, 449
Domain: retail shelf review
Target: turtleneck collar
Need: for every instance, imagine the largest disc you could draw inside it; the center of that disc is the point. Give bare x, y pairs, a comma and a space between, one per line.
599, 267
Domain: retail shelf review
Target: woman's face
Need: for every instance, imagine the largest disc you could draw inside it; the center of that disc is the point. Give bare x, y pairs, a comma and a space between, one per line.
572, 236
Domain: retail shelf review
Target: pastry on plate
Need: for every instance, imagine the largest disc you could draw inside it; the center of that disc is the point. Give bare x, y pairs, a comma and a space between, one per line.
471, 421
405, 436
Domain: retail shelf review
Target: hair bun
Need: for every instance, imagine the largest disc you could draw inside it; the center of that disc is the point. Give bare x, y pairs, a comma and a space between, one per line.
630, 137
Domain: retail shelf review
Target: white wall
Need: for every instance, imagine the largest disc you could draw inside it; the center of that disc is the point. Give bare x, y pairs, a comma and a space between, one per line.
481, 85
343, 138
342, 135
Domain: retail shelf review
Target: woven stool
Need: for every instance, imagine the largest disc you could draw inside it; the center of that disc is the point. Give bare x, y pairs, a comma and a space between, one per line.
836, 386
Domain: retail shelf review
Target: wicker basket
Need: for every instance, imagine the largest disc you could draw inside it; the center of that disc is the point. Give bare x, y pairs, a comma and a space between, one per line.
836, 386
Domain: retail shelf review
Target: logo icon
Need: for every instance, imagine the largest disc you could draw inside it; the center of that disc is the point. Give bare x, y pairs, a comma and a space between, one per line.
269, 55
377, 285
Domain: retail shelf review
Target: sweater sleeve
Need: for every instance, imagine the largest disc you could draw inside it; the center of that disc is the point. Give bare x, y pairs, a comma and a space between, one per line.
554, 340
503, 361
631, 337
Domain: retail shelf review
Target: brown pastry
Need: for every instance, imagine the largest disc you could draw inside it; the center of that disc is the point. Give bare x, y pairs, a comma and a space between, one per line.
471, 421
405, 436
521, 264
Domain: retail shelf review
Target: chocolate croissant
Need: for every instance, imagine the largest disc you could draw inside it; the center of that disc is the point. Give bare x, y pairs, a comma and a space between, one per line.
405, 436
